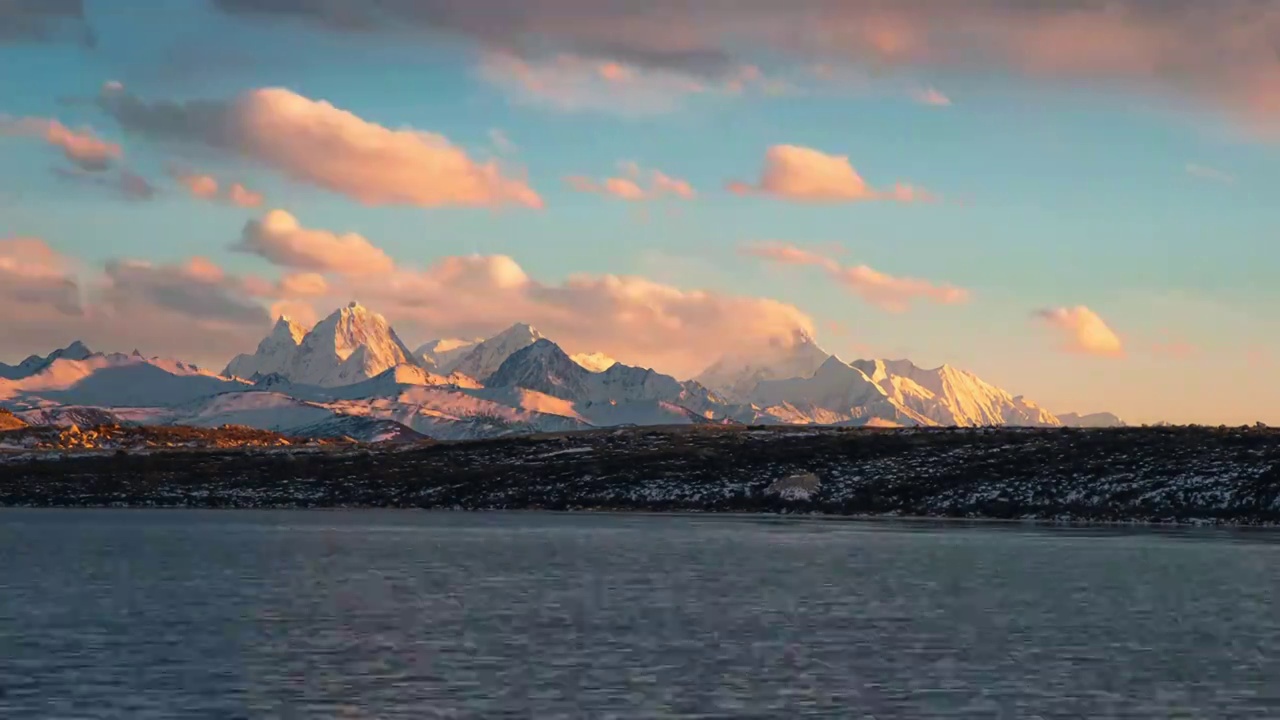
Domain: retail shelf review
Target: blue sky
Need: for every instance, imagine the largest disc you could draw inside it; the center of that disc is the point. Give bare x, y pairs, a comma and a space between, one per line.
1055, 193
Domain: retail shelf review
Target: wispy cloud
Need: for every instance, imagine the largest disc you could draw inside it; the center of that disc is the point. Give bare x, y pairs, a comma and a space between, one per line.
1175, 349
1218, 54
501, 142
207, 187
632, 185
128, 185
888, 292
573, 83
1204, 172
931, 96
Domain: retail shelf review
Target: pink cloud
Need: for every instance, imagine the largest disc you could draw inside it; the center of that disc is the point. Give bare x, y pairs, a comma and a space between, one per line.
574, 82
196, 288
314, 142
1218, 54
202, 270
931, 96
242, 196
667, 185
615, 72
192, 309
1175, 349
788, 254
38, 295
82, 147
204, 187
802, 174
280, 239
888, 292
31, 258
627, 187
894, 293
207, 187
1082, 330
303, 285
300, 312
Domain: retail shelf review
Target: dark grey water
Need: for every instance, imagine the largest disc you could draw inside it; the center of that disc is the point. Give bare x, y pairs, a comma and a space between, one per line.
152, 614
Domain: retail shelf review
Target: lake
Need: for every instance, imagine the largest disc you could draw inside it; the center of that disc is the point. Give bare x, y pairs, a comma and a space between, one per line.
239, 614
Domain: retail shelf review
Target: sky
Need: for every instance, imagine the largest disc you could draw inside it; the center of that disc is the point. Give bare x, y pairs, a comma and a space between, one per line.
1074, 199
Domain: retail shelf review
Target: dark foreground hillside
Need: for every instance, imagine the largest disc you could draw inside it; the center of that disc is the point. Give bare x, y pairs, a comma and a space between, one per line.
1139, 474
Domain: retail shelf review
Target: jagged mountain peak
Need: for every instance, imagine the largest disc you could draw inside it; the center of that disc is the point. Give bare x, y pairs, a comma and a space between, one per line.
544, 347
544, 367
34, 364
75, 351
542, 353
350, 345
274, 354
833, 366
286, 329
351, 327
517, 333
736, 375
947, 395
836, 393
487, 357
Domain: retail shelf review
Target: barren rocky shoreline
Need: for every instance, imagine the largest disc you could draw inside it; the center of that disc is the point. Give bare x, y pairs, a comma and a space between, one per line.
1201, 475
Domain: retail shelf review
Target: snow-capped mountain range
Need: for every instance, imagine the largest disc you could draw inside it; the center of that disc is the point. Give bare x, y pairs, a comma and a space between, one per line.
352, 375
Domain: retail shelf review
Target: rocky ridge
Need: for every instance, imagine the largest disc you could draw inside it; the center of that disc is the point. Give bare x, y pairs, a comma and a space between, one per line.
1185, 475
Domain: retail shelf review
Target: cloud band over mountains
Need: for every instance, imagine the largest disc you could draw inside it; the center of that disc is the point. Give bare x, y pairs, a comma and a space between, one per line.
195, 309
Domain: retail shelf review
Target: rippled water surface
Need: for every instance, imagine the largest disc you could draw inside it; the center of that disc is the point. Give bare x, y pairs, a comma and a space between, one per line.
158, 614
